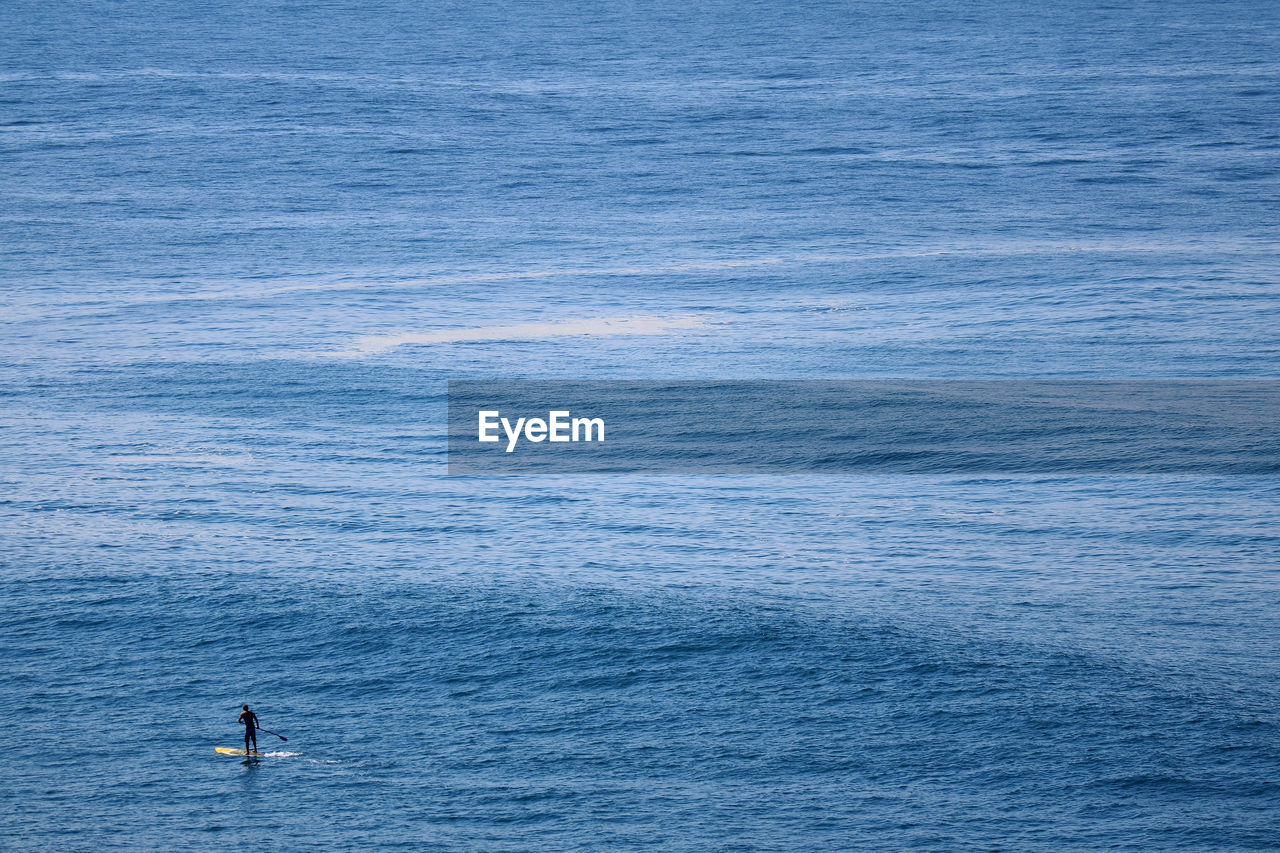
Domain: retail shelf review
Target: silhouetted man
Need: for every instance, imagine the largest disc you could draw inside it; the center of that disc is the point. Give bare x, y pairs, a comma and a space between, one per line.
250, 721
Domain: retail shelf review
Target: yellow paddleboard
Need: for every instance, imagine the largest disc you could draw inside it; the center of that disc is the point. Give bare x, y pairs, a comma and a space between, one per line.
226, 750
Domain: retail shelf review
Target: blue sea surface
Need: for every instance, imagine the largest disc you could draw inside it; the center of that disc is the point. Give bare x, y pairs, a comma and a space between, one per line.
243, 247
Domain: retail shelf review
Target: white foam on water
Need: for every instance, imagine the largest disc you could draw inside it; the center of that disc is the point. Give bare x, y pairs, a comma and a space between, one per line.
597, 327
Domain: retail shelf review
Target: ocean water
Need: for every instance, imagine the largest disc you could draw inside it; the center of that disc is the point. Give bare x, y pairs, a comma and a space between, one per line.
244, 246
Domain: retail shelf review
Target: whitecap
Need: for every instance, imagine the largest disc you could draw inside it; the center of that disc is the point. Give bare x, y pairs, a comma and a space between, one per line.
596, 327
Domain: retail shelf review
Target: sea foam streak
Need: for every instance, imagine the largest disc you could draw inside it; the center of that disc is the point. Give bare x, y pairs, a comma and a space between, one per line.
598, 327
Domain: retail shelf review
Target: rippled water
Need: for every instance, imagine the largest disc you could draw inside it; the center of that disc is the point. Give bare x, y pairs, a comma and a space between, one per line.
243, 246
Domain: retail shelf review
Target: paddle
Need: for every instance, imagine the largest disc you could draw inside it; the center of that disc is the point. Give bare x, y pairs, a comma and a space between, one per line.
261, 729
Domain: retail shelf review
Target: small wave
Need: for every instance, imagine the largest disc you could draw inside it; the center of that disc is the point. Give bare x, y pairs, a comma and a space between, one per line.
100, 299
433, 281
172, 459
600, 327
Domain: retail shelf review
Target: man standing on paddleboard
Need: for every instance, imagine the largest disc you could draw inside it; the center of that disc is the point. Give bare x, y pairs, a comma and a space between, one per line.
250, 721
